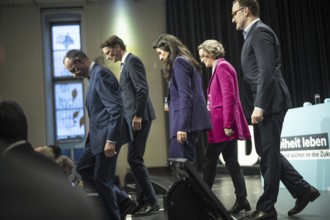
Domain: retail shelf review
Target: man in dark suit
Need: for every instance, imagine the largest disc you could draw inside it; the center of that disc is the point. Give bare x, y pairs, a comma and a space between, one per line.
138, 116
32, 186
265, 102
97, 165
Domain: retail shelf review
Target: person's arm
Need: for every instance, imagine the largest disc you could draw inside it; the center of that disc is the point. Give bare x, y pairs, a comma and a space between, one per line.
183, 73
227, 85
138, 76
263, 44
264, 47
108, 90
110, 149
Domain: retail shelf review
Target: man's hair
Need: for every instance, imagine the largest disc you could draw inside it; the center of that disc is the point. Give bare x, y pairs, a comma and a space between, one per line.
13, 123
112, 41
251, 4
74, 55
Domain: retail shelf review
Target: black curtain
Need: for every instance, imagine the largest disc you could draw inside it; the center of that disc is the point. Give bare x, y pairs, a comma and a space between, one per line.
302, 26
303, 29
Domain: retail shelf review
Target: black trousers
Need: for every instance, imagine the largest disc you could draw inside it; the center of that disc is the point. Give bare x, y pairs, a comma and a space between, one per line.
229, 153
274, 166
98, 171
135, 154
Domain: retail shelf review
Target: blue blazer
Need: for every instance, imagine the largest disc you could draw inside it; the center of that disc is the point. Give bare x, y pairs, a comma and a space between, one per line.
187, 105
104, 107
263, 84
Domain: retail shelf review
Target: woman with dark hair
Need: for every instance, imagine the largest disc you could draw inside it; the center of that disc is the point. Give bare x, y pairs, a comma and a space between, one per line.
187, 106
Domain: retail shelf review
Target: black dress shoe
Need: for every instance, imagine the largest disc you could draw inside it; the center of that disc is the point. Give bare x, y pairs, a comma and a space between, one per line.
261, 215
127, 207
147, 209
303, 200
239, 206
137, 208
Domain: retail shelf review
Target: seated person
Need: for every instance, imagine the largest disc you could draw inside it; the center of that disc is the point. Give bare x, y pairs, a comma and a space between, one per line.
56, 149
66, 164
45, 150
31, 185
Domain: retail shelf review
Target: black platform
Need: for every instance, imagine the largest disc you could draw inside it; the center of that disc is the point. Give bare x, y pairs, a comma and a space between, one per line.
223, 189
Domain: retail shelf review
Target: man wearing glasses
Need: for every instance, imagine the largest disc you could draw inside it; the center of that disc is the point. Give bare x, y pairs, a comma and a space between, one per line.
265, 99
97, 165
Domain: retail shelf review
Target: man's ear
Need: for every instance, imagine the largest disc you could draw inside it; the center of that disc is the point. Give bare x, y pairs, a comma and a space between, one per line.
77, 60
117, 47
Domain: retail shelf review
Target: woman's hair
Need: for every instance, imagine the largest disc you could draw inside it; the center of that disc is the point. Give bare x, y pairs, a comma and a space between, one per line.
175, 47
213, 47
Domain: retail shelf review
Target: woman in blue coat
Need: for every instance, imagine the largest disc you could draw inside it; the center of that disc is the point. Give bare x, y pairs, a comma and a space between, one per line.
187, 106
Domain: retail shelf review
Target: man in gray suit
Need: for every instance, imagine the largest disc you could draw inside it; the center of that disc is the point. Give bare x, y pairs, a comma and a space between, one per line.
265, 99
138, 115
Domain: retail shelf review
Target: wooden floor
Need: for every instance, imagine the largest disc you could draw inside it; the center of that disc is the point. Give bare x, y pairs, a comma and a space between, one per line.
224, 191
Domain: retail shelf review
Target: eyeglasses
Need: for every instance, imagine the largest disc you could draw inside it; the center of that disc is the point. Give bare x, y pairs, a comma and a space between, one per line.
235, 12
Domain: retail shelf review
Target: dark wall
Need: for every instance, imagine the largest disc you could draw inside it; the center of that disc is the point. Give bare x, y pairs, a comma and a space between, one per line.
302, 26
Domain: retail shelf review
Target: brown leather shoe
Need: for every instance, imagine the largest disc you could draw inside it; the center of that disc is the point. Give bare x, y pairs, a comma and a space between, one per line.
303, 201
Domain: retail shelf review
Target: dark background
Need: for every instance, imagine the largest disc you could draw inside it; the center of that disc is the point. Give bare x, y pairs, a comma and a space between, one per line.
302, 26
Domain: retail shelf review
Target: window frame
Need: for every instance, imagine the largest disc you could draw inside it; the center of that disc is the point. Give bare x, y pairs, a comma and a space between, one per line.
50, 18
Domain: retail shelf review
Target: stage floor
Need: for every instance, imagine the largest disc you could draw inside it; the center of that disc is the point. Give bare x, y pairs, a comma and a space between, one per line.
223, 189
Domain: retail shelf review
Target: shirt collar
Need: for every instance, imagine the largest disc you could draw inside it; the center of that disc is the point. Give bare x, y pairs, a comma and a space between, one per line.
247, 29
90, 69
124, 57
13, 145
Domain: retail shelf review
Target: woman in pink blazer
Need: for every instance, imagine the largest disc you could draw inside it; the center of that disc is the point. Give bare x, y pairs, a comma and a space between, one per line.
227, 118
